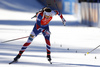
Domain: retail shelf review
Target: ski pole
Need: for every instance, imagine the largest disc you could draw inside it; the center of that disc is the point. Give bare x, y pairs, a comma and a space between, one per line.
56, 5
33, 17
14, 39
58, 10
40, 11
93, 49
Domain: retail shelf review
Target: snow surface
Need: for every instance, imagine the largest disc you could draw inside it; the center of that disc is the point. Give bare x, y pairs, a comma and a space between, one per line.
69, 43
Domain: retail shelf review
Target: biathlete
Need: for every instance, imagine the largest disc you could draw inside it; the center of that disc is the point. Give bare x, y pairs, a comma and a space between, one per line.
41, 25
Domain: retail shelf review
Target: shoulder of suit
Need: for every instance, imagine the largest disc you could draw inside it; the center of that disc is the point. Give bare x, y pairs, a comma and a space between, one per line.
41, 13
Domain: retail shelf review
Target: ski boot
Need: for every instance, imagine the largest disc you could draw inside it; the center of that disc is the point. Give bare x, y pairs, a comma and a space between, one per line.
49, 58
15, 59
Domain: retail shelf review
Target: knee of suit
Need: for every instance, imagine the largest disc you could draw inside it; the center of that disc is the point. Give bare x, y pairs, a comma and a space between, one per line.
47, 37
30, 39
26, 44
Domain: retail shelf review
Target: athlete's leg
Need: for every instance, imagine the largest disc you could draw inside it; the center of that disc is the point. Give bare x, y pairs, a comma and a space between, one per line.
33, 34
48, 45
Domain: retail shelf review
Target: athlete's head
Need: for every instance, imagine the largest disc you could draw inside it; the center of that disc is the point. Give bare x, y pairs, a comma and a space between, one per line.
47, 13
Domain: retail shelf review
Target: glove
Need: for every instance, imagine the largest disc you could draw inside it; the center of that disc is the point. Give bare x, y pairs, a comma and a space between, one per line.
64, 21
40, 29
47, 33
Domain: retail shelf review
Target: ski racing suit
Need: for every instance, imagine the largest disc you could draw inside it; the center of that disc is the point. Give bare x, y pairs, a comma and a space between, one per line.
41, 25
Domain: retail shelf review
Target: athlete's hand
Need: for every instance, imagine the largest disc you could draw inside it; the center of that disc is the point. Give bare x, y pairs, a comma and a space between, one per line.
47, 33
64, 21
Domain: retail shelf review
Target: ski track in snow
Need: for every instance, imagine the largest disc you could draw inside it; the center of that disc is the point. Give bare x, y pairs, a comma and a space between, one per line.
69, 43
67, 49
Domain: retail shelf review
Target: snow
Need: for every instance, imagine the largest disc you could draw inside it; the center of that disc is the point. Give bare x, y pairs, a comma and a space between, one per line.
69, 43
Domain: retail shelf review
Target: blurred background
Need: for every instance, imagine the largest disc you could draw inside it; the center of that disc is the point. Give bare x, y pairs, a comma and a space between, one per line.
87, 11
81, 11
70, 43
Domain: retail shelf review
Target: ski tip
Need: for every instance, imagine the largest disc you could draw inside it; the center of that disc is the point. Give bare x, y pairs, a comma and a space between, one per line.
9, 63
12, 62
50, 62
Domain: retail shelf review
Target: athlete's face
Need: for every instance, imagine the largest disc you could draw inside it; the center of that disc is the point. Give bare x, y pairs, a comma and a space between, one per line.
47, 17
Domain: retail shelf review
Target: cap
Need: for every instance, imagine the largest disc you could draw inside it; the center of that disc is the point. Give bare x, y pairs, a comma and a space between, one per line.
47, 12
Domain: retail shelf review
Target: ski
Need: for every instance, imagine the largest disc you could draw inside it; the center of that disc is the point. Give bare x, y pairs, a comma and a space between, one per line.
13, 62
49, 59
50, 62
17, 61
